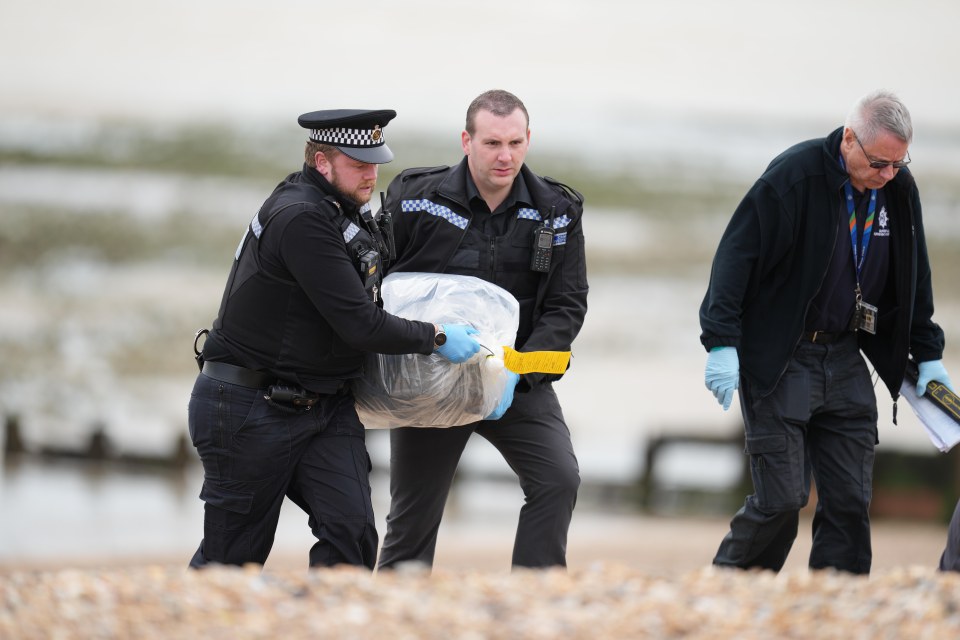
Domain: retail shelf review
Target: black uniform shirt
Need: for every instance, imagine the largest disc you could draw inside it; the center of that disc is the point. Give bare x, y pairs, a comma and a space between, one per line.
495, 223
496, 247
832, 308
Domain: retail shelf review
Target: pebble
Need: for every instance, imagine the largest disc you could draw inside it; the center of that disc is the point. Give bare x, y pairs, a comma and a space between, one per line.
596, 602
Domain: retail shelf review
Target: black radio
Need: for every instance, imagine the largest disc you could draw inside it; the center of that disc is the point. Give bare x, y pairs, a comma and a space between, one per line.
542, 249
543, 245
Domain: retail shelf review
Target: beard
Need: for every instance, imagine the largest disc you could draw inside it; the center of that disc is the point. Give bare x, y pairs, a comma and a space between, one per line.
357, 195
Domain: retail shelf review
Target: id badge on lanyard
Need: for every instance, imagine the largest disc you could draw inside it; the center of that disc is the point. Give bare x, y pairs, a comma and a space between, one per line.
864, 314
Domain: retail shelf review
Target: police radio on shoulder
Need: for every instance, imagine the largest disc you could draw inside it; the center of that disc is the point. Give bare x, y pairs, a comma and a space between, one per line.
543, 246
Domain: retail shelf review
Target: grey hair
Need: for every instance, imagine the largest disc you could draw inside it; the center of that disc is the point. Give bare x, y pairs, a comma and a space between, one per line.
877, 112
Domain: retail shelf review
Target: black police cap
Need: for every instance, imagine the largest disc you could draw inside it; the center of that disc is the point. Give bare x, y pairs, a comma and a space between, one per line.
356, 132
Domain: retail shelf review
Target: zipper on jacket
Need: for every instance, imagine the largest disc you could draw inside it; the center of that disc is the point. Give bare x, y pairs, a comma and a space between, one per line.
493, 260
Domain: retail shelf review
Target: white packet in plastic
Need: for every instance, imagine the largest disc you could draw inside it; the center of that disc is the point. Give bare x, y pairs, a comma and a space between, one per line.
428, 391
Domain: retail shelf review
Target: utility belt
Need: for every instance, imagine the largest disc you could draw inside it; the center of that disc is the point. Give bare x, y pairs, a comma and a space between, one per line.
278, 392
238, 375
286, 396
826, 337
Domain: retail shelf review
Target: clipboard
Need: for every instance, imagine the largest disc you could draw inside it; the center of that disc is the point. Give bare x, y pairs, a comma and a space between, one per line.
938, 409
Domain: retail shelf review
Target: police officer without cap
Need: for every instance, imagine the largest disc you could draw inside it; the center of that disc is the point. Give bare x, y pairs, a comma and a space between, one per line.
491, 217
271, 413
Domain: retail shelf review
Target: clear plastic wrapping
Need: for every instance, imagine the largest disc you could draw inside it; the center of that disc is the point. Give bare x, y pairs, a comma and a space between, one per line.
429, 391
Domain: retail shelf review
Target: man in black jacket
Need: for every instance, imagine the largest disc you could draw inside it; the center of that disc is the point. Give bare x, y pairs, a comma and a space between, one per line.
271, 413
824, 257
479, 218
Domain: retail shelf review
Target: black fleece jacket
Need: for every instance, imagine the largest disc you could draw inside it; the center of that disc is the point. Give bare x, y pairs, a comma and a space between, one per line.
773, 257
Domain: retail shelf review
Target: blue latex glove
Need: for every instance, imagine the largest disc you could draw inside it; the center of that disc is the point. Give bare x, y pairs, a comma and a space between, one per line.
459, 346
723, 374
507, 398
930, 371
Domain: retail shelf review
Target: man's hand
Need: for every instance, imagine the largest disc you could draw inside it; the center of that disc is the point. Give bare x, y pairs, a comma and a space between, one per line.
932, 371
459, 346
722, 375
507, 398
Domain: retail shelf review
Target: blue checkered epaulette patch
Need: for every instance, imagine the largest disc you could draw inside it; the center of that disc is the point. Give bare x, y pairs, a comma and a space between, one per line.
351, 232
526, 213
434, 209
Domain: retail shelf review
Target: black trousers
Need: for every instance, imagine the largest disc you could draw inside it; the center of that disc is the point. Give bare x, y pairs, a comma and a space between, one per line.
254, 454
820, 421
533, 438
950, 559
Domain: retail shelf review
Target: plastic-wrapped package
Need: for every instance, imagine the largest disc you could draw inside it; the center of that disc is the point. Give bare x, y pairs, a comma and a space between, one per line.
429, 391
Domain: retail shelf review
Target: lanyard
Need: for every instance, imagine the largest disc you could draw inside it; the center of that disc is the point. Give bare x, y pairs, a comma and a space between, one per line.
867, 225
867, 228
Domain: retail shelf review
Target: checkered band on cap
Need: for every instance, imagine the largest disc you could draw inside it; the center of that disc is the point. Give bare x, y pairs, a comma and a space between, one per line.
343, 137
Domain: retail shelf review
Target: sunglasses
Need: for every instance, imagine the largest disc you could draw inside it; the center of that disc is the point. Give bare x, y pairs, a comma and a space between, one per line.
879, 164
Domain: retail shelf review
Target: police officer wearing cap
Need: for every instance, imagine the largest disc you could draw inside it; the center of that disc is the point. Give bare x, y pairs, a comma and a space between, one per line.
271, 413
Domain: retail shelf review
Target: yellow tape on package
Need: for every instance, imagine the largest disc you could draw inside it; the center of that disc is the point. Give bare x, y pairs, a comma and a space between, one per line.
536, 361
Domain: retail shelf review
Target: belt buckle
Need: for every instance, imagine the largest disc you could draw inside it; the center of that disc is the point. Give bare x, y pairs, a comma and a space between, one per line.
813, 339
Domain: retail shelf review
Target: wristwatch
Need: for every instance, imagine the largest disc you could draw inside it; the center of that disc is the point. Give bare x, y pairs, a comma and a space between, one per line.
440, 337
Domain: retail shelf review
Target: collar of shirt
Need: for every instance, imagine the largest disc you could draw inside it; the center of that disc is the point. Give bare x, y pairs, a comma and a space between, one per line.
519, 194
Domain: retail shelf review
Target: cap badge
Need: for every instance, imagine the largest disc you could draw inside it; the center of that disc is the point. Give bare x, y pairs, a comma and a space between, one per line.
376, 134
